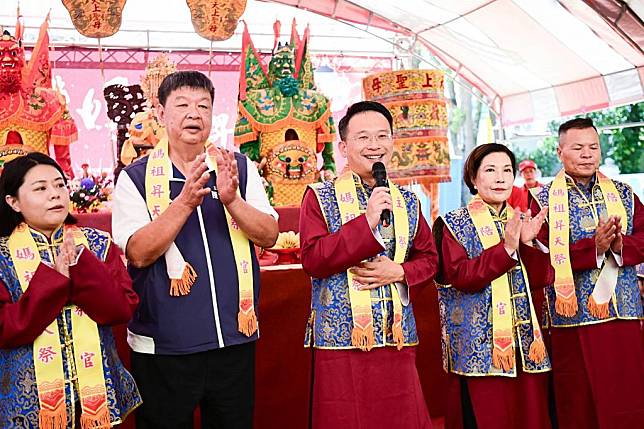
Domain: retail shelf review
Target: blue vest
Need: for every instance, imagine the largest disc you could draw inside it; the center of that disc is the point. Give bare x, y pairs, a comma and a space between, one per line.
466, 318
19, 406
585, 206
330, 322
187, 324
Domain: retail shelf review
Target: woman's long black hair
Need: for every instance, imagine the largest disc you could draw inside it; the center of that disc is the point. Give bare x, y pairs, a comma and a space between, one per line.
12, 178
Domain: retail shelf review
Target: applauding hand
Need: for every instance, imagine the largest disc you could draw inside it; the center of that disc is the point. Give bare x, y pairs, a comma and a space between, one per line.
513, 232
531, 226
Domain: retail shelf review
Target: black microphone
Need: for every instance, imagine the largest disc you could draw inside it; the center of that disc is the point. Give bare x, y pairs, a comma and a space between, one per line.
379, 173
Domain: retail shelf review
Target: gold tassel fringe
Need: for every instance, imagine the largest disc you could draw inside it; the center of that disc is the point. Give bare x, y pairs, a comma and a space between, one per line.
599, 311
180, 287
399, 337
566, 306
98, 421
57, 419
537, 351
247, 322
363, 338
503, 359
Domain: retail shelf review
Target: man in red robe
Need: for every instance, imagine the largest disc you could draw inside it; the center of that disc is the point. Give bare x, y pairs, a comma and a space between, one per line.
519, 196
598, 362
378, 386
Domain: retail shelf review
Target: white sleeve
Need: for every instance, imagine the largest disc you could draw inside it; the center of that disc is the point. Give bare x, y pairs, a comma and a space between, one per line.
600, 260
618, 258
403, 292
129, 211
255, 193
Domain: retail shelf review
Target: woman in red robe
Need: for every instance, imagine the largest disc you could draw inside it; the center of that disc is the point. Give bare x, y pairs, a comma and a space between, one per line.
66, 284
481, 395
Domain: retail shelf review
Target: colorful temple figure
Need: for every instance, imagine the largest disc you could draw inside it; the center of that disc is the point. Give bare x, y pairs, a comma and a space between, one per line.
31, 112
283, 122
133, 108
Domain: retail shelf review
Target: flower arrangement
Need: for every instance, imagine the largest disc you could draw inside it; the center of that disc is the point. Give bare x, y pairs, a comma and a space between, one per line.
88, 194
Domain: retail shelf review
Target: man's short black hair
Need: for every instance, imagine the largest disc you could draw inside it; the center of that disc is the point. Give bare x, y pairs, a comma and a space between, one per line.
182, 79
577, 124
363, 106
473, 162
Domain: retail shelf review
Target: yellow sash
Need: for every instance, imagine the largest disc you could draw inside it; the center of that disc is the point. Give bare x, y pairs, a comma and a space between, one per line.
362, 335
246, 317
559, 235
157, 189
48, 353
503, 355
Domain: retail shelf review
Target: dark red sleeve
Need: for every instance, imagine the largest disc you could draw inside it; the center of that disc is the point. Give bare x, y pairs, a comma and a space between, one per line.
422, 262
633, 250
583, 253
537, 266
325, 254
103, 289
23, 321
472, 275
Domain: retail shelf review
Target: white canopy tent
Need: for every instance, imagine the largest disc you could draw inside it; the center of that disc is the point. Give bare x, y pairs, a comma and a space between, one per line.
532, 59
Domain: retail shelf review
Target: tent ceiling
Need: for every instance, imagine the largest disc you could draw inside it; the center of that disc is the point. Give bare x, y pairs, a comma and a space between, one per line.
533, 59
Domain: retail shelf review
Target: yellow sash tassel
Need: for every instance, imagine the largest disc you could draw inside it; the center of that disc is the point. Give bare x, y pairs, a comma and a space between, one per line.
53, 419
537, 351
247, 321
363, 338
399, 337
503, 358
182, 286
600, 311
98, 421
566, 306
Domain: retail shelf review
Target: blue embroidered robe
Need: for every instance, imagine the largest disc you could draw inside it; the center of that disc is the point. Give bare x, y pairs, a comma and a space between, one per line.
19, 406
466, 318
330, 322
586, 206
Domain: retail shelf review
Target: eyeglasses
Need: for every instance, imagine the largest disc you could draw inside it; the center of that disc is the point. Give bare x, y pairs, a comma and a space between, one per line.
378, 138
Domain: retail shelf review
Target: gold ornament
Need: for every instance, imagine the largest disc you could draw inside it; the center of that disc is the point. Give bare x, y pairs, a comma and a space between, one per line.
216, 20
95, 18
155, 72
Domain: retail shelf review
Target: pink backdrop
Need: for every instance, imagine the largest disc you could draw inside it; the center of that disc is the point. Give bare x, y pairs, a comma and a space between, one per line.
83, 89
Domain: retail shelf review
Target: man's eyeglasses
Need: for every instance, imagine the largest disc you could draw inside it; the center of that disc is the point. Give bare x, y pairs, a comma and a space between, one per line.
378, 138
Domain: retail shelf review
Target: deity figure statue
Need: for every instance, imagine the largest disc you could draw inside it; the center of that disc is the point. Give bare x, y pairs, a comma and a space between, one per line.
283, 122
32, 114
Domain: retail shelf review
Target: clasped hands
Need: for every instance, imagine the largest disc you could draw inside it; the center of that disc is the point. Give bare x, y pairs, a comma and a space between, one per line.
194, 189
609, 235
67, 255
522, 228
377, 272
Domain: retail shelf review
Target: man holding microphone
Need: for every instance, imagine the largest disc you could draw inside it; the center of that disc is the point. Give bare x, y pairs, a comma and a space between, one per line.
365, 265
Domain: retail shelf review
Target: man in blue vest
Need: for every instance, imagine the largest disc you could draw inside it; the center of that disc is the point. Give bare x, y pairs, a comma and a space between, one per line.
187, 216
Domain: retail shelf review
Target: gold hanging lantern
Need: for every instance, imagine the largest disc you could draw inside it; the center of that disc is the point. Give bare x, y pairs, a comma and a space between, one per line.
155, 72
415, 100
216, 20
95, 18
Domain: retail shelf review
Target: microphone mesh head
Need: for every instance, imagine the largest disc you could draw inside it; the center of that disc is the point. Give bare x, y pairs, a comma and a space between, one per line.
378, 170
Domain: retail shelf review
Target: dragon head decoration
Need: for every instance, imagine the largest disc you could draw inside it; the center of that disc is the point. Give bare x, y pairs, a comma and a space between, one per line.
12, 62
